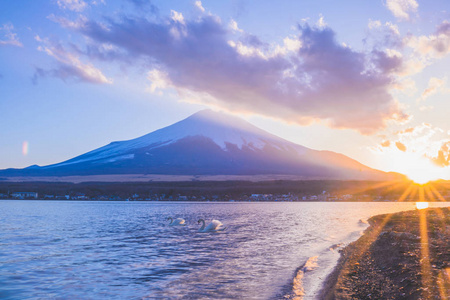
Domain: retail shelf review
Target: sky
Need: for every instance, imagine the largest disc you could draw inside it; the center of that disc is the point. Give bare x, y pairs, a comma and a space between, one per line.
369, 79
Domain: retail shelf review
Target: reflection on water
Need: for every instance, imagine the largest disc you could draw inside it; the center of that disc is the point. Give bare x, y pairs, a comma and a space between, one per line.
57, 249
422, 205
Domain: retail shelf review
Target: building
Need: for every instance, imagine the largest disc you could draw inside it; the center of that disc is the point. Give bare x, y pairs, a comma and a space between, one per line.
24, 195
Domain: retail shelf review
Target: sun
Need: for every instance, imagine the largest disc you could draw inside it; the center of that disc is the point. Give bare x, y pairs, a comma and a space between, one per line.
421, 177
417, 168
422, 205
423, 173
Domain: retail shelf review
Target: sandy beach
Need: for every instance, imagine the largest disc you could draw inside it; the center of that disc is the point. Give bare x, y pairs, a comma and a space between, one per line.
400, 256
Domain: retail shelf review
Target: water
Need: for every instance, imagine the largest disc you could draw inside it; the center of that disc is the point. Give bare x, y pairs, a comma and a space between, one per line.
118, 250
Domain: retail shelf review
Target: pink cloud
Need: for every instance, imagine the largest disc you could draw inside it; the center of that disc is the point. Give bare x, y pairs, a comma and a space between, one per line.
318, 80
9, 37
69, 65
402, 9
436, 45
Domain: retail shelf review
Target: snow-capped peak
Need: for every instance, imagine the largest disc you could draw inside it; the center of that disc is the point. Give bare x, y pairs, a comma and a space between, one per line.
223, 129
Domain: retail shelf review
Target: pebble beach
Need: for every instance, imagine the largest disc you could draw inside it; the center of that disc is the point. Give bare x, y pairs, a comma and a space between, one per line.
400, 256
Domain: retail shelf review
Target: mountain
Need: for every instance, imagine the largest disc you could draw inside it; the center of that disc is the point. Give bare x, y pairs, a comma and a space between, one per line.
208, 143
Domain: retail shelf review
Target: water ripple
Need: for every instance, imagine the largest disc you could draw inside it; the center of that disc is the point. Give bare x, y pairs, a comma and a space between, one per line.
116, 250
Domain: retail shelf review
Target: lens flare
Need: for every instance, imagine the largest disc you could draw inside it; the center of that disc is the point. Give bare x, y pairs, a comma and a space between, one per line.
421, 205
418, 168
421, 178
25, 148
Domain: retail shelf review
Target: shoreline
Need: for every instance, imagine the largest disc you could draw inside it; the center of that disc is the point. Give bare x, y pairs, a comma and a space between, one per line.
404, 255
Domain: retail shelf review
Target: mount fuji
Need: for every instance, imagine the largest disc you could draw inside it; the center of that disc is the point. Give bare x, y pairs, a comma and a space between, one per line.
208, 143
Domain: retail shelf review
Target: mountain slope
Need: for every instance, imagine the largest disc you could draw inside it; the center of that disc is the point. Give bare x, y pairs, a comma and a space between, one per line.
207, 143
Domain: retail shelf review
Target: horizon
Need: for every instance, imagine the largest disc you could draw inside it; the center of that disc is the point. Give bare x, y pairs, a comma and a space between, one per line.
75, 77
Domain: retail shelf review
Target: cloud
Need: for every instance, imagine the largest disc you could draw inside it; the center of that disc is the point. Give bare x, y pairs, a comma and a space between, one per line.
310, 77
405, 85
436, 45
392, 28
442, 159
386, 143
402, 9
374, 24
384, 35
159, 80
177, 17
408, 55
234, 26
404, 56
443, 28
407, 130
391, 54
418, 52
321, 22
69, 65
400, 146
388, 61
74, 5
68, 23
421, 141
199, 5
435, 85
9, 37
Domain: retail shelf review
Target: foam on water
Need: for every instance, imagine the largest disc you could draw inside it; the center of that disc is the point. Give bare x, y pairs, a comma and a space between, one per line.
298, 290
363, 222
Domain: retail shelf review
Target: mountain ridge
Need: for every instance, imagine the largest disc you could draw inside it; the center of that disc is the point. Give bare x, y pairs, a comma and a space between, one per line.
208, 143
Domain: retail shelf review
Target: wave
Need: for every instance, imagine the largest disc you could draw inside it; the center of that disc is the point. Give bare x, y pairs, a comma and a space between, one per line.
363, 222
336, 246
298, 290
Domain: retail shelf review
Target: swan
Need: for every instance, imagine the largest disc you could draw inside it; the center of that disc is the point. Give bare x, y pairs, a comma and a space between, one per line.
215, 225
176, 222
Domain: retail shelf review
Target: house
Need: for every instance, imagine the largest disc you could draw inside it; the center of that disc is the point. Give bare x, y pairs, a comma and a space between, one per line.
80, 196
24, 195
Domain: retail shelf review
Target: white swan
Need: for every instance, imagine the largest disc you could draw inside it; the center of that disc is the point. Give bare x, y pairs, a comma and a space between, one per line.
176, 222
213, 226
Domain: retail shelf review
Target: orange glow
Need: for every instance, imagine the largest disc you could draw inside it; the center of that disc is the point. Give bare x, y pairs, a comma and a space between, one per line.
422, 171
425, 265
418, 168
420, 178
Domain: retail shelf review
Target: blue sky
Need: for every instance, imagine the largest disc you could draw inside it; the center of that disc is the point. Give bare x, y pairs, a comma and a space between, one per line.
368, 79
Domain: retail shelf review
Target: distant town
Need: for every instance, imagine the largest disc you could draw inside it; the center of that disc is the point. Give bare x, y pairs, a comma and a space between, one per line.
272, 191
163, 197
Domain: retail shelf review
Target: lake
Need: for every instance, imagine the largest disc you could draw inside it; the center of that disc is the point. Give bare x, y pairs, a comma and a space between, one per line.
118, 250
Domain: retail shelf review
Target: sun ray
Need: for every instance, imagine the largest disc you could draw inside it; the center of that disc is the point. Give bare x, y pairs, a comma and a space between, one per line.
442, 282
372, 187
414, 191
425, 265
372, 236
422, 194
430, 193
436, 192
406, 193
